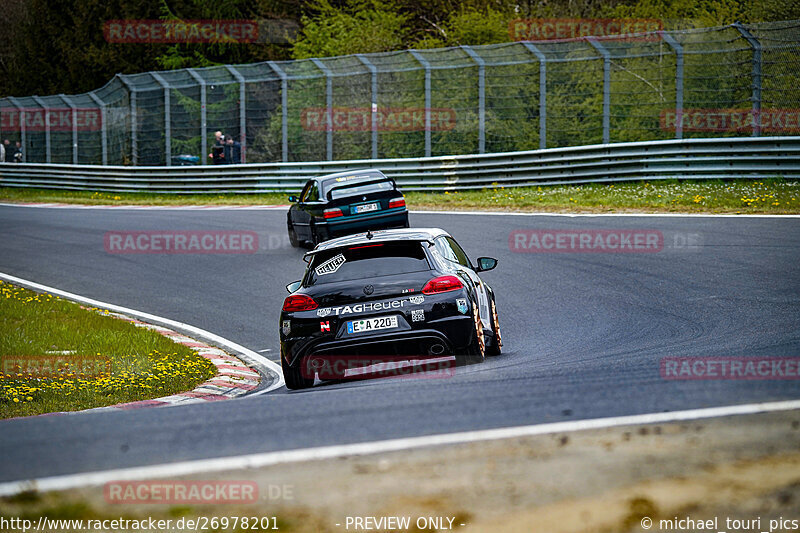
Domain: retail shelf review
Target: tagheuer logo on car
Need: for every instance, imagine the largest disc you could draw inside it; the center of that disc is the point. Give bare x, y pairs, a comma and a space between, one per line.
330, 266
369, 306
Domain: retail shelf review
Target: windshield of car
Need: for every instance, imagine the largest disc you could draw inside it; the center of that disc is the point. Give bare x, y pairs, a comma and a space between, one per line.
366, 261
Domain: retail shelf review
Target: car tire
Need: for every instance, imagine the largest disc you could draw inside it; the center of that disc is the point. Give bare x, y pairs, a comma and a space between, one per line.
476, 350
293, 238
496, 345
294, 378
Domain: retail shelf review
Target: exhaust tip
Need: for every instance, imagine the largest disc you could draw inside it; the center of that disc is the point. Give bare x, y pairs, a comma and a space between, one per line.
436, 349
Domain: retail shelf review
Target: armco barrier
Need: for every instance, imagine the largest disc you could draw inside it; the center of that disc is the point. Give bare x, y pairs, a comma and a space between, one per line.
744, 157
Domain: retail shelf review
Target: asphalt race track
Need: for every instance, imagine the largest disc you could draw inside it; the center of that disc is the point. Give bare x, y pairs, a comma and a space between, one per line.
584, 332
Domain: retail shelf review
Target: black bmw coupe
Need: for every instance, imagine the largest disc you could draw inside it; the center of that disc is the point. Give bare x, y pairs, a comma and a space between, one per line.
345, 203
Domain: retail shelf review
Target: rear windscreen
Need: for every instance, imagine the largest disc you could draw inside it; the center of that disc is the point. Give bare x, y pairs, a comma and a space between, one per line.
367, 261
356, 189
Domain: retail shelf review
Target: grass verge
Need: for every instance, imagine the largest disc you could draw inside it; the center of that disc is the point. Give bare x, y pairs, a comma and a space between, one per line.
56, 355
774, 196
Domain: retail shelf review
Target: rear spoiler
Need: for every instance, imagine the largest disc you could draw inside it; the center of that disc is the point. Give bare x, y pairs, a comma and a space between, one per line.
311, 253
356, 183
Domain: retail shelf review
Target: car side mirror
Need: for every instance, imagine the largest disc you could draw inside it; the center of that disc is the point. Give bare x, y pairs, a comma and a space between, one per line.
294, 199
486, 263
293, 286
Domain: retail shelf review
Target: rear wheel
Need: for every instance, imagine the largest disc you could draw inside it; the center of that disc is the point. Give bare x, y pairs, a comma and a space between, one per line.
476, 351
497, 343
293, 237
294, 378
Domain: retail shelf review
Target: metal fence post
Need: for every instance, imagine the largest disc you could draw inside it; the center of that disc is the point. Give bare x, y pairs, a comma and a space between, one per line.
373, 102
481, 97
203, 115
103, 128
22, 128
284, 109
167, 117
606, 87
675, 45
46, 117
542, 92
427, 66
134, 125
74, 109
328, 106
242, 110
755, 44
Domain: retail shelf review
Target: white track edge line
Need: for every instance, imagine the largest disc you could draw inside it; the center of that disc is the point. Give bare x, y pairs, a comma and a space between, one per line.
246, 352
415, 211
257, 460
607, 215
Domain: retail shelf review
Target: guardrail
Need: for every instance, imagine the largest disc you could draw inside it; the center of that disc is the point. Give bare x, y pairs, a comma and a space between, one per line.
721, 158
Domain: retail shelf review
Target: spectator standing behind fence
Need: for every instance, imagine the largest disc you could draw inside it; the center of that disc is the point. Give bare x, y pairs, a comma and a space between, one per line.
18, 153
217, 154
233, 151
2, 153
8, 152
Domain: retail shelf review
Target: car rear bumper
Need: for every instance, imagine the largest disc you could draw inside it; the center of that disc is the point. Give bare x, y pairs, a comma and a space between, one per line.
357, 224
445, 336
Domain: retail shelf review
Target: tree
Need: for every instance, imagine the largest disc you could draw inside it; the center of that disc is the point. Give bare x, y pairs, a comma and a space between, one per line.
361, 26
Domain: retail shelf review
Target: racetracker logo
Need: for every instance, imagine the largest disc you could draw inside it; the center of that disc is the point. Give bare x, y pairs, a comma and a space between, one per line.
732, 120
586, 241
54, 366
36, 119
181, 492
181, 242
730, 368
339, 367
566, 28
181, 31
386, 119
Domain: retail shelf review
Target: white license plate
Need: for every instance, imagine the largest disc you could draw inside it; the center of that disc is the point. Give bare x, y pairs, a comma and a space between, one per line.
372, 324
366, 208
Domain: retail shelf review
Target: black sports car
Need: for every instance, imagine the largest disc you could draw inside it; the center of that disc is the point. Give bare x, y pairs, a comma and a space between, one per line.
399, 292
343, 204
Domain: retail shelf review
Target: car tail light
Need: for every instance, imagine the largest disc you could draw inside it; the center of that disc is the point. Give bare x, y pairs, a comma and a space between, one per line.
299, 302
333, 212
442, 284
397, 202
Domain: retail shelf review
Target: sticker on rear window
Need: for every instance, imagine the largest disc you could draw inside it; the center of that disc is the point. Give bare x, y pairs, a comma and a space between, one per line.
330, 266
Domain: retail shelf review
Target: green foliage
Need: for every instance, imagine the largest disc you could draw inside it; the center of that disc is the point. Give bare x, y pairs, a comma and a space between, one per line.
475, 27
685, 13
362, 26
